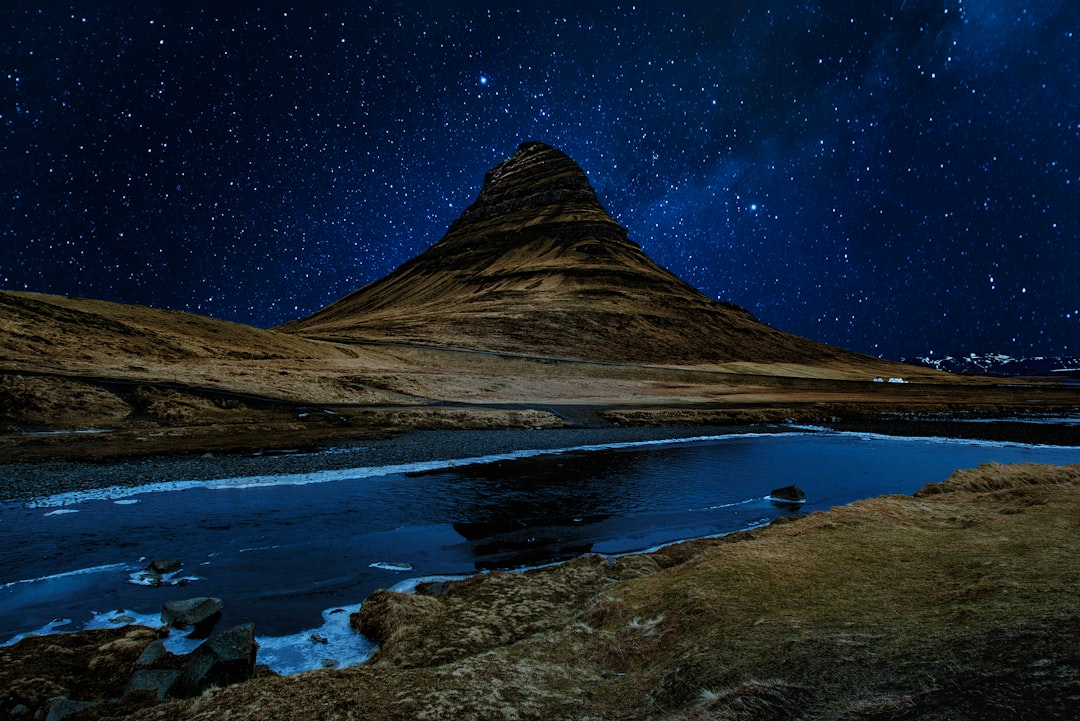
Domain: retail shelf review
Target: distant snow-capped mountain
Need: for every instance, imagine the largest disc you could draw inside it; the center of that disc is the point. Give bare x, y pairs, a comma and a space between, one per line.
1003, 365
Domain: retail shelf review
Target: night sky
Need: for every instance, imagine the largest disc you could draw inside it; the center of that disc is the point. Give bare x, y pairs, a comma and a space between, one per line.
898, 177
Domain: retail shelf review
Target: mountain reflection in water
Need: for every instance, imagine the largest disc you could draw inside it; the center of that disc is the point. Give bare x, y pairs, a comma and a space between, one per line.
528, 514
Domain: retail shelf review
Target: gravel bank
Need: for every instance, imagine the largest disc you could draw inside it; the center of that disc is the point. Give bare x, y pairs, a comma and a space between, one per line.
21, 482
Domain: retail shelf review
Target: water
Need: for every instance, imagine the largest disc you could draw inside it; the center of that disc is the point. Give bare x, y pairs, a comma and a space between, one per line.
288, 556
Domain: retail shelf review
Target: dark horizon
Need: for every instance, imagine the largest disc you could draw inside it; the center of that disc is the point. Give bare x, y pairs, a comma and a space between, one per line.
899, 180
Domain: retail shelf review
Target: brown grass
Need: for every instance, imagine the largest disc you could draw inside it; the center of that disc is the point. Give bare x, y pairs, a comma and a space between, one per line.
166, 382
997, 477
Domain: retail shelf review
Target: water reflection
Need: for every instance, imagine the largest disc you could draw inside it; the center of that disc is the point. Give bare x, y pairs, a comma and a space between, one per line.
511, 544
541, 510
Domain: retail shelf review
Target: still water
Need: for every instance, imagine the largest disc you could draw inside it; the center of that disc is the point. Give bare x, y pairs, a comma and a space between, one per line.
283, 555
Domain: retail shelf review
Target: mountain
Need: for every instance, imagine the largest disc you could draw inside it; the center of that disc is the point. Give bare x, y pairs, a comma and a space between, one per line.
537, 266
1003, 365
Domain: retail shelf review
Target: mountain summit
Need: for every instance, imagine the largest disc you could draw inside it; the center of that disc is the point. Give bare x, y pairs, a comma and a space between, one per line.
536, 265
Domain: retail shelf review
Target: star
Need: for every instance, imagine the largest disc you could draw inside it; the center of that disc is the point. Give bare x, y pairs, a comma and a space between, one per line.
275, 162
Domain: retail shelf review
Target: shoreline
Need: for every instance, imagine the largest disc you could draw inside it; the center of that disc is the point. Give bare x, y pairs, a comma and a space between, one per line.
26, 481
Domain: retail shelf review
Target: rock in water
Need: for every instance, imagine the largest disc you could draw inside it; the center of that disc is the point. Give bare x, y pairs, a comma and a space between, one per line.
162, 566
788, 495
225, 658
201, 613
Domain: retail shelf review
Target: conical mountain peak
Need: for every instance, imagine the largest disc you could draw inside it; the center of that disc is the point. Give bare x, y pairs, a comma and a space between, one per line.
537, 266
536, 164
536, 185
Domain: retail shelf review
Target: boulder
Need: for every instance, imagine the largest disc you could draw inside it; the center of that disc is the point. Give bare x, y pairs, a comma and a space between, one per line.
201, 613
225, 658
162, 566
158, 681
788, 495
65, 707
153, 653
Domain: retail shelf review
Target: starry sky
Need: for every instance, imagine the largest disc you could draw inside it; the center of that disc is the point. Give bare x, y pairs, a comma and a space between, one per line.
899, 177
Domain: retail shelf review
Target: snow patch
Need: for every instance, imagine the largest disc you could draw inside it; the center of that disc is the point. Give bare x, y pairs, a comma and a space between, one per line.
391, 565
151, 579
67, 574
334, 644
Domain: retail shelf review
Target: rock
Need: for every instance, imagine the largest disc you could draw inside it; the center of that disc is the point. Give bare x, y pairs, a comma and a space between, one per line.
432, 588
153, 653
225, 658
161, 566
201, 613
147, 578
788, 495
158, 681
65, 707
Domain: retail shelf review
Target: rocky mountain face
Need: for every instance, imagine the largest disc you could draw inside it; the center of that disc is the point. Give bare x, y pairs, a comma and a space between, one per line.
536, 265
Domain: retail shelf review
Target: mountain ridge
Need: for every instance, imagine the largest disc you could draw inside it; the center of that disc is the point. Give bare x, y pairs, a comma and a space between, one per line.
998, 364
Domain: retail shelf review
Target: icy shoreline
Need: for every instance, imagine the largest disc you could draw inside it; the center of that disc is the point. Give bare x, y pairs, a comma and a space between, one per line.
34, 482
27, 481
114, 493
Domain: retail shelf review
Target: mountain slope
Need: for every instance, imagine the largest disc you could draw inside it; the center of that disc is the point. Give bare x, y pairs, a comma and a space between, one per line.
38, 328
536, 265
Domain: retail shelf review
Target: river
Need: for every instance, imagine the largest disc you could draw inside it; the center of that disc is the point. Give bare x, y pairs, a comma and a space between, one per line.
295, 554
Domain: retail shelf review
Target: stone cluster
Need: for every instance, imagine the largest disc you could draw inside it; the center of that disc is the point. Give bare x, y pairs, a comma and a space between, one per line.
132, 681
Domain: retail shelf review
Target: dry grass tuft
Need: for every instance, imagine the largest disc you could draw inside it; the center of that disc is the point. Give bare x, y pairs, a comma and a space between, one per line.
606, 611
58, 403
480, 613
393, 619
628, 650
997, 477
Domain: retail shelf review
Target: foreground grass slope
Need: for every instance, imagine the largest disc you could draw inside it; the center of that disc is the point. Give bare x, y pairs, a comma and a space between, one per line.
958, 603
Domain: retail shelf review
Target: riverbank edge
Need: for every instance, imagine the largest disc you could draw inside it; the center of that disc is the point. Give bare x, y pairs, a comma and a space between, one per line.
23, 482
